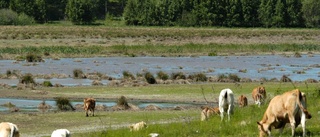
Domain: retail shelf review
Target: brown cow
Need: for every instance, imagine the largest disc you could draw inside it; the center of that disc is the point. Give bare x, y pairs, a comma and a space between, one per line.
207, 112
8, 129
290, 107
259, 95
89, 105
242, 101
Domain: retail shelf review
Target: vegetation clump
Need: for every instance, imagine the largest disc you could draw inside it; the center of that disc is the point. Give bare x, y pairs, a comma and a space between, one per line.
198, 77
33, 58
128, 75
162, 75
47, 84
78, 73
64, 104
178, 75
27, 79
150, 78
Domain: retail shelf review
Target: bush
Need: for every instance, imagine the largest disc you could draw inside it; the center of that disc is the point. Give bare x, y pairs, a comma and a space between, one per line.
198, 77
178, 75
8, 17
33, 58
149, 77
122, 101
77, 73
47, 84
162, 75
27, 79
127, 75
63, 104
234, 77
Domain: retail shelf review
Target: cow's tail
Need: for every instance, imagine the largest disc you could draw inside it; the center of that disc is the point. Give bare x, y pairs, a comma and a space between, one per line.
13, 129
226, 95
308, 115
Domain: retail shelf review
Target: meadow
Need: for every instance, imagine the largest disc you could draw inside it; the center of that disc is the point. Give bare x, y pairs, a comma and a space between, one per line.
52, 41
166, 122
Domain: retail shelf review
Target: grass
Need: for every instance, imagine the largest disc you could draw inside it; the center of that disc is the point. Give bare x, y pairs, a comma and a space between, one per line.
89, 41
181, 123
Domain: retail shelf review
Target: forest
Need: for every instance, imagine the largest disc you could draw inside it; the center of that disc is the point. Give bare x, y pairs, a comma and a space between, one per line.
187, 13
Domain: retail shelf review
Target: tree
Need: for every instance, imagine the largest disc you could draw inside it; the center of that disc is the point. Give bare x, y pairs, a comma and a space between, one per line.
311, 12
294, 13
4, 4
250, 13
81, 11
55, 9
278, 19
266, 12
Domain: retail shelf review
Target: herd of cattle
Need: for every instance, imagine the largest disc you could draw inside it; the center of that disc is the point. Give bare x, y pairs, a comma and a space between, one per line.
289, 107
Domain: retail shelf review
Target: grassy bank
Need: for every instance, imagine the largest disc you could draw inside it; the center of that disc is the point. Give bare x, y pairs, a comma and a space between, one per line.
88, 41
166, 122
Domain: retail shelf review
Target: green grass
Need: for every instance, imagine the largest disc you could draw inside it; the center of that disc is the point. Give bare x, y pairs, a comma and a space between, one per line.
185, 123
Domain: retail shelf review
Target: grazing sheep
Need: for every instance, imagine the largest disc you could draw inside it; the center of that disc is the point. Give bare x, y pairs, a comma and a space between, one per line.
61, 133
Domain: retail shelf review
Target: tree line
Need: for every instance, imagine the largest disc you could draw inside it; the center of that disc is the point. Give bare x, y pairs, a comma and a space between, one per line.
225, 13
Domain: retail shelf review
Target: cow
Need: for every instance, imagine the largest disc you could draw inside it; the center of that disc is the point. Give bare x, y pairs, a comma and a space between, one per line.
259, 95
138, 126
207, 112
8, 129
226, 101
289, 107
89, 105
242, 101
61, 133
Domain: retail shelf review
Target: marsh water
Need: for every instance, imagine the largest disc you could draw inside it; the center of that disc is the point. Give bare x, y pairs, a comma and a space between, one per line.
253, 67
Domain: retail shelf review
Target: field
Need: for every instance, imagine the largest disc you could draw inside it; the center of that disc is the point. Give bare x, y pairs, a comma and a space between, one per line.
63, 41
165, 122
51, 41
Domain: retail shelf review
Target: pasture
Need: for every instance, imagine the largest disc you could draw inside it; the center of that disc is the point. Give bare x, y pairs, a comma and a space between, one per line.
166, 122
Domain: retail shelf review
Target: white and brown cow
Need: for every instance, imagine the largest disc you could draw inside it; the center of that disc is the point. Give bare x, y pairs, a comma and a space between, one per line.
290, 107
8, 129
138, 126
207, 112
226, 100
242, 101
259, 95
89, 105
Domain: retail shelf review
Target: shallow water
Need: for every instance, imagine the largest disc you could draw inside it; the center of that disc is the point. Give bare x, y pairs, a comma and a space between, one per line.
268, 66
31, 105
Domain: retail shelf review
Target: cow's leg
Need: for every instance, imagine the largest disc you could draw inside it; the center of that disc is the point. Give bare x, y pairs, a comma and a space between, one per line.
292, 123
87, 113
221, 114
303, 123
92, 112
229, 112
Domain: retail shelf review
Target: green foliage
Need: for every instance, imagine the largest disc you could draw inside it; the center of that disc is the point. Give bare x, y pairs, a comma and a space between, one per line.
63, 104
198, 77
122, 101
81, 11
311, 12
47, 84
150, 78
9, 17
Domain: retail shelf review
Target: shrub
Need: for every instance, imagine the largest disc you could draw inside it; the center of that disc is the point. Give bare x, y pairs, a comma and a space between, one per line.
150, 78
8, 17
25, 20
47, 84
127, 75
63, 104
234, 77
198, 77
33, 58
8, 73
162, 75
122, 101
285, 78
212, 54
27, 79
77, 73
178, 75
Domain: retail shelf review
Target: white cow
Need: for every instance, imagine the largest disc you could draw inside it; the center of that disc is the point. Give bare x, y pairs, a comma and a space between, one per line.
226, 101
61, 133
8, 129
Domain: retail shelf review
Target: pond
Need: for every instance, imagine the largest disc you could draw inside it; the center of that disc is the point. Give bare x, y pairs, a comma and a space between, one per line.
253, 67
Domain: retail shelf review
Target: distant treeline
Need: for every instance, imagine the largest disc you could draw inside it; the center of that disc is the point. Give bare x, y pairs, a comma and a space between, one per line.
225, 13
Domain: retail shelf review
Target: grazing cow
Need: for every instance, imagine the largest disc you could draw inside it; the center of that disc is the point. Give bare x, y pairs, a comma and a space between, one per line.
89, 105
290, 107
207, 112
153, 134
138, 126
226, 101
243, 101
8, 129
259, 95
61, 133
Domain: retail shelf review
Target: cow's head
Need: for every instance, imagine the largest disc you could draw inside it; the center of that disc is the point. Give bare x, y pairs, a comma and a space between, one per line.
263, 129
262, 90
